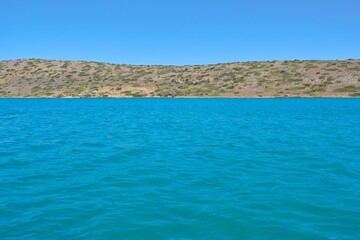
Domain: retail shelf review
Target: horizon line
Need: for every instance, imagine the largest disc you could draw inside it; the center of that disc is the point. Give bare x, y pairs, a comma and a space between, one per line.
180, 65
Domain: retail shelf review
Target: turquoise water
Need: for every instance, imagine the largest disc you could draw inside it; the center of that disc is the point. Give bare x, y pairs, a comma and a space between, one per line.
180, 169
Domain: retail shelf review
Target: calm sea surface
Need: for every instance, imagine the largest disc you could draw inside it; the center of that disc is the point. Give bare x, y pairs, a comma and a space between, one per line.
179, 169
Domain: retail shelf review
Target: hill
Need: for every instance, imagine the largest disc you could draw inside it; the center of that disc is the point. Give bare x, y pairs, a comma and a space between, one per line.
47, 78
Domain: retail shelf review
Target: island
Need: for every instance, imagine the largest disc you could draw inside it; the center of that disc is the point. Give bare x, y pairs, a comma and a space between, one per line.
37, 78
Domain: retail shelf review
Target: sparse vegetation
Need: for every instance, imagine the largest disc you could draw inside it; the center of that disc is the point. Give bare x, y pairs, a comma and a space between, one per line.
42, 78
350, 88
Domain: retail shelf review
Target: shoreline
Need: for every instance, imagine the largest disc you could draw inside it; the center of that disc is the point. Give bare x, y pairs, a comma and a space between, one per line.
191, 97
36, 78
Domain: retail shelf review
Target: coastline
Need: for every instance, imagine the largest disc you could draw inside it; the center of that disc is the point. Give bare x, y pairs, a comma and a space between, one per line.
37, 78
190, 97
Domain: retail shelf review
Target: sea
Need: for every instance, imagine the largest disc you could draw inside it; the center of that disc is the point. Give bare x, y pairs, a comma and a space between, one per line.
179, 169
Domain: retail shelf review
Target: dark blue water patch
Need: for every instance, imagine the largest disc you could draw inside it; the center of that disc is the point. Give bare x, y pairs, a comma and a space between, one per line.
179, 168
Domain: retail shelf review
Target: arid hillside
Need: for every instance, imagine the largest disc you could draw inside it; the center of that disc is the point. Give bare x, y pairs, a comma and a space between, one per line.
45, 78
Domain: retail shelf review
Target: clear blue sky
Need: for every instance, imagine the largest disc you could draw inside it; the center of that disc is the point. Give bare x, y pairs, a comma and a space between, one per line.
179, 31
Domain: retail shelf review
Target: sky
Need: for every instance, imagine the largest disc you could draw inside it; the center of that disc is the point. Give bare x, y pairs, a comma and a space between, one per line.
179, 32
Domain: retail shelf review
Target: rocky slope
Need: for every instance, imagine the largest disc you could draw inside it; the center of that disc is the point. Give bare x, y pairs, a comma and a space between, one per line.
45, 78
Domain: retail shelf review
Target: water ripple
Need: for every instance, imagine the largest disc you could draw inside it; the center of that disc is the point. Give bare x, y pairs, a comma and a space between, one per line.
180, 169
